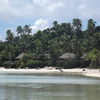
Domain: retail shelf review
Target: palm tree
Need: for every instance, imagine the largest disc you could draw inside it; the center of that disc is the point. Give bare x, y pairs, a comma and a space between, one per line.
77, 25
10, 36
27, 29
19, 30
91, 27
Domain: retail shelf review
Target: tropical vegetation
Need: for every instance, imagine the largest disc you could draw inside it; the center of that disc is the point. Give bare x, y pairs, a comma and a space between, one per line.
44, 48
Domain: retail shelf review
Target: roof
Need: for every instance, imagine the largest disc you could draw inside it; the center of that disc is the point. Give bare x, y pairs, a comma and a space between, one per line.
21, 56
68, 56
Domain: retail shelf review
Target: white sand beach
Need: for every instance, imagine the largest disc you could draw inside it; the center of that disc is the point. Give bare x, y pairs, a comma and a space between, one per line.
84, 72
80, 71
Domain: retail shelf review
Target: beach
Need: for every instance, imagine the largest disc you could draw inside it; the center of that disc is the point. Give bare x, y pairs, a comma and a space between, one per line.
76, 71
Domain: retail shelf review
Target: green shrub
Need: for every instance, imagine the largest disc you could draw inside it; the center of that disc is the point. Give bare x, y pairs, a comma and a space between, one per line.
84, 63
36, 63
10, 64
70, 64
94, 58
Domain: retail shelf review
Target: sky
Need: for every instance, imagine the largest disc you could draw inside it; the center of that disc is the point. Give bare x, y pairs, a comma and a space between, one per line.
41, 13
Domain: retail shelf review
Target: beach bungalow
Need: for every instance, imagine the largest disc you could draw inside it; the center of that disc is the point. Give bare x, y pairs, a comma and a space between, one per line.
66, 60
67, 56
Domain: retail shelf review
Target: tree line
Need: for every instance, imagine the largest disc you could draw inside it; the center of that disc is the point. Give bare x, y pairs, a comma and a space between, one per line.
44, 48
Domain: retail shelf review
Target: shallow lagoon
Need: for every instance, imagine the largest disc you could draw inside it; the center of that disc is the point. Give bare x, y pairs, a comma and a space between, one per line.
39, 86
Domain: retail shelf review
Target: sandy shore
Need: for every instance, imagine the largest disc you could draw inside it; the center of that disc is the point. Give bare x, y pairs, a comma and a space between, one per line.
85, 72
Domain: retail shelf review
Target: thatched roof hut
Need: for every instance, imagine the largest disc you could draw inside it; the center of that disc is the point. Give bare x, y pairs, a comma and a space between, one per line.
68, 56
21, 56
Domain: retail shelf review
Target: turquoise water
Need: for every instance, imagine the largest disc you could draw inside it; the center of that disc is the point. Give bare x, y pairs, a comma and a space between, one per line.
17, 86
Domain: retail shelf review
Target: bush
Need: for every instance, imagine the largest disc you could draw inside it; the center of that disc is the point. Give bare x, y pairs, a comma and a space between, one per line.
36, 63
94, 58
70, 64
84, 63
10, 64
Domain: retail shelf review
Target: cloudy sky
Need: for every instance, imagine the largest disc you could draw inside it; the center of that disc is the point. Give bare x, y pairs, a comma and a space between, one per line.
41, 13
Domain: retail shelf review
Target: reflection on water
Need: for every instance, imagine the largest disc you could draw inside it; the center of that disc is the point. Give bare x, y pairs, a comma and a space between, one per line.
48, 87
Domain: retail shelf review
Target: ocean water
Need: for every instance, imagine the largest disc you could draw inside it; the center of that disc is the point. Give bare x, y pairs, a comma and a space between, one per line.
39, 86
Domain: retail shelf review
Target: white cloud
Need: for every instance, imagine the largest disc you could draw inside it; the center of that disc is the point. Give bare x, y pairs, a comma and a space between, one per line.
51, 9
40, 2
55, 6
82, 6
40, 24
6, 1
19, 12
12, 9
89, 9
49, 4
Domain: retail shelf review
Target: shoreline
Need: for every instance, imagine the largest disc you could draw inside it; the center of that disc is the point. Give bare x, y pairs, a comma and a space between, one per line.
76, 71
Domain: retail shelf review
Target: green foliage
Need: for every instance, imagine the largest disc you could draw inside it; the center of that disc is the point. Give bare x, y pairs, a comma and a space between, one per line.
91, 27
94, 57
84, 63
36, 63
70, 64
55, 41
10, 64
9, 36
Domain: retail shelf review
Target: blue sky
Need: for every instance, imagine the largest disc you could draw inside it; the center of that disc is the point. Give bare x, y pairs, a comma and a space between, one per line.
41, 13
